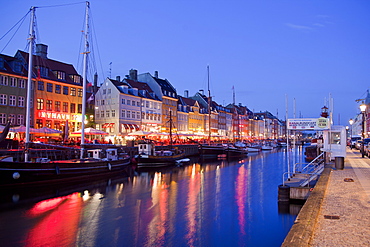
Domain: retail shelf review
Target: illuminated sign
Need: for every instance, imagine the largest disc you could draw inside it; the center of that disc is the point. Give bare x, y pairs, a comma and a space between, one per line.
59, 116
308, 124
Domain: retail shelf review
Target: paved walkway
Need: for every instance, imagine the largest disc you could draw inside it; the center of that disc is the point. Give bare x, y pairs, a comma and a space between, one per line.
338, 211
348, 201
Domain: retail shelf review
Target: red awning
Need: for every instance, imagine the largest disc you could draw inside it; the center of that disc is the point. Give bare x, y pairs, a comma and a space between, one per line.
126, 126
136, 127
131, 126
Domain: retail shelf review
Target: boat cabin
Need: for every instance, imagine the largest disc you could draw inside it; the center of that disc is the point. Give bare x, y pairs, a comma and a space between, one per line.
146, 148
94, 153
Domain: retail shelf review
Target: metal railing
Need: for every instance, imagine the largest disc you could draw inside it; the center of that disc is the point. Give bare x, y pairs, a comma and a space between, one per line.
313, 169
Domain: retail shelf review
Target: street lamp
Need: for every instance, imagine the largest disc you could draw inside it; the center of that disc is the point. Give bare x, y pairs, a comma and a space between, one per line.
363, 109
350, 123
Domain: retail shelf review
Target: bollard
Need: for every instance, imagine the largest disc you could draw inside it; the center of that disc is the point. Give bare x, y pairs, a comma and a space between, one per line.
339, 163
283, 193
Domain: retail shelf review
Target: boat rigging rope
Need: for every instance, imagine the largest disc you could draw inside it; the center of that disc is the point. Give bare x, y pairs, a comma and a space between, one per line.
21, 20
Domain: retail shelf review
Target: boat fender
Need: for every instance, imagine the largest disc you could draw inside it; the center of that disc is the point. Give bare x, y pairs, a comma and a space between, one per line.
109, 167
57, 170
16, 175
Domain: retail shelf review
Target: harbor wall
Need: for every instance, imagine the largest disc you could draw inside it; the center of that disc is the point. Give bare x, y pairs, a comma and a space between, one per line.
303, 228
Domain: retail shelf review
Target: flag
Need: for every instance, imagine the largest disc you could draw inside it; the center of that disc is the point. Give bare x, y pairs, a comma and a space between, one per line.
38, 74
90, 99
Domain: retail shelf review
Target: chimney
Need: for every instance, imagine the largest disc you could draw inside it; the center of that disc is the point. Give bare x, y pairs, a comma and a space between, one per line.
156, 74
133, 74
186, 94
42, 50
201, 91
118, 78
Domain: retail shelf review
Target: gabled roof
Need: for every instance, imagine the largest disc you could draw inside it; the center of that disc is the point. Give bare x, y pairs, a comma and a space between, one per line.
5, 65
139, 85
51, 65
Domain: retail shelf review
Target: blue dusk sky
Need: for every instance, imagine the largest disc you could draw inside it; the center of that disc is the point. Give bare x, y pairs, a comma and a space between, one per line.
271, 52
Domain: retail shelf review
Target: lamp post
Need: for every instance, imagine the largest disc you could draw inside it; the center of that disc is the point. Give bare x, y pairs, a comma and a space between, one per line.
350, 123
363, 109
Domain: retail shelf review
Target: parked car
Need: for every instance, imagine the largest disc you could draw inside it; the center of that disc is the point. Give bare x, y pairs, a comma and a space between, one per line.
353, 141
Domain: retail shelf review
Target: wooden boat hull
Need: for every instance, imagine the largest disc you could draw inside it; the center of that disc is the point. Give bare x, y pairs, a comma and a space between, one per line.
23, 173
211, 151
235, 152
143, 160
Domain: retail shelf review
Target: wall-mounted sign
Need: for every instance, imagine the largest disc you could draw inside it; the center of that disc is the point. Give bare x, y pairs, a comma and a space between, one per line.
308, 123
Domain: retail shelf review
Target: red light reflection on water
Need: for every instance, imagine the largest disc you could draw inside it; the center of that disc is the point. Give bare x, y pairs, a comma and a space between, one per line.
58, 224
241, 198
192, 205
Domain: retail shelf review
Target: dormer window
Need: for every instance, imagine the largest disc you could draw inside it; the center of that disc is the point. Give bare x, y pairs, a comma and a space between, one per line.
43, 71
60, 75
75, 78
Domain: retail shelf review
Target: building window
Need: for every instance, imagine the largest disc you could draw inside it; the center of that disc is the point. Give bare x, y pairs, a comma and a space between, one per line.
39, 123
13, 81
123, 113
102, 102
97, 114
128, 114
11, 118
128, 102
109, 90
107, 113
22, 83
49, 87
57, 89
79, 108
2, 118
147, 104
57, 105
40, 104
20, 119
60, 75
73, 91
21, 101
65, 106
102, 114
76, 78
113, 113
79, 93
73, 108
104, 91
65, 90
49, 105
123, 101
44, 72
48, 123
12, 100
138, 115
3, 99
3, 80
40, 85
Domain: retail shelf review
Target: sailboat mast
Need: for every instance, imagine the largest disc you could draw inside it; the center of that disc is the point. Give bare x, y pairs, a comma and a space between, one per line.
209, 109
84, 82
29, 81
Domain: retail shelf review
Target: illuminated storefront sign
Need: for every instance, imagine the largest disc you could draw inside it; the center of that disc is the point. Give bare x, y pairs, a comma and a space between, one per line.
59, 116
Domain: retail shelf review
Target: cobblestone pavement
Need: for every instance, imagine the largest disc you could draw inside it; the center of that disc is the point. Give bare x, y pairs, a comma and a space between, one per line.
344, 217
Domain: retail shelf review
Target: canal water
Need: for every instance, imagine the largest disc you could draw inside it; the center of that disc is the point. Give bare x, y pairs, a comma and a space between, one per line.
218, 203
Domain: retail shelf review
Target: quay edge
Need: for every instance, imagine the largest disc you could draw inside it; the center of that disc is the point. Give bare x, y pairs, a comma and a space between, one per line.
301, 232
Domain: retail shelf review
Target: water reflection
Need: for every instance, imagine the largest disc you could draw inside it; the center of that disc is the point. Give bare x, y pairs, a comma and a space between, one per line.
219, 203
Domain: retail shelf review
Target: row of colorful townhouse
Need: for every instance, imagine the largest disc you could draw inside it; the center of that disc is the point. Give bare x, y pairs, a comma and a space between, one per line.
138, 102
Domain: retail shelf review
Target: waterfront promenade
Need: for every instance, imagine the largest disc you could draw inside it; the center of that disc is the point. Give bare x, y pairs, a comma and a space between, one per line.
337, 213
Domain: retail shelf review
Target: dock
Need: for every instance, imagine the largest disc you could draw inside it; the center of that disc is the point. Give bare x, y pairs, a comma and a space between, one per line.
337, 211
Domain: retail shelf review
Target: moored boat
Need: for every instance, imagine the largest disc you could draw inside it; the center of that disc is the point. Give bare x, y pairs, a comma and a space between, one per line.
43, 170
149, 157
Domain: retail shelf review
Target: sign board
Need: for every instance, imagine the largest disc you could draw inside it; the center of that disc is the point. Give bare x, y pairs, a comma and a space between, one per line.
308, 123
